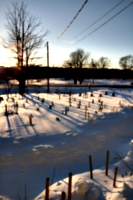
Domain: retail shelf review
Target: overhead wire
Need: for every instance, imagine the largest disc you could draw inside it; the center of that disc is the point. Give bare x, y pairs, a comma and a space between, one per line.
103, 24
70, 22
99, 19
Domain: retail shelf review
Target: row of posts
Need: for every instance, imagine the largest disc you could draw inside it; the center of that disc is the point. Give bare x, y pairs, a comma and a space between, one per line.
63, 195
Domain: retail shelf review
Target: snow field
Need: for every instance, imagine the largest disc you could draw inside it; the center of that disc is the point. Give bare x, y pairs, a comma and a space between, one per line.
29, 154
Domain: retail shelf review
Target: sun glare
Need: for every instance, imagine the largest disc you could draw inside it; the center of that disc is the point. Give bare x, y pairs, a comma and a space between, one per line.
6, 58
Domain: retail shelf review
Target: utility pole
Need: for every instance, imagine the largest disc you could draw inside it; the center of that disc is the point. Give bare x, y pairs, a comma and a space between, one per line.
27, 65
47, 67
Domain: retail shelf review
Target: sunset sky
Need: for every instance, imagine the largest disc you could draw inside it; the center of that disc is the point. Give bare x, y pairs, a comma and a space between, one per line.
113, 40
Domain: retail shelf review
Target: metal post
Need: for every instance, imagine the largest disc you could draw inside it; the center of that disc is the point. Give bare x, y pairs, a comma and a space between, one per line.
107, 163
47, 189
90, 161
69, 186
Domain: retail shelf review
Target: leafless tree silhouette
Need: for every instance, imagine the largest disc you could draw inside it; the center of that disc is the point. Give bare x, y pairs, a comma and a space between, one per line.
77, 59
24, 37
94, 64
104, 62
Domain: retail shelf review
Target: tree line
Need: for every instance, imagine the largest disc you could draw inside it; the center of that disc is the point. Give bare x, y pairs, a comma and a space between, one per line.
80, 59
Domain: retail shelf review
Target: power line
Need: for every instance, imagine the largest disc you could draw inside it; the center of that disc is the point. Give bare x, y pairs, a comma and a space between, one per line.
71, 22
103, 23
99, 19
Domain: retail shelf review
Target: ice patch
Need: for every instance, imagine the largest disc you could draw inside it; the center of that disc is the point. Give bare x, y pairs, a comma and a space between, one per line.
16, 142
42, 146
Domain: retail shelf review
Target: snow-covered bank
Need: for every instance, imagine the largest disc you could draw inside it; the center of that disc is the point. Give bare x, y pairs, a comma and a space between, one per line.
29, 154
101, 186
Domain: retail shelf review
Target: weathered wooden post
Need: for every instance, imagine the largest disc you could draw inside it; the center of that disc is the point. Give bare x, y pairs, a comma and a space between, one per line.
115, 175
47, 189
43, 100
16, 107
70, 186
6, 109
70, 100
88, 115
106, 92
79, 94
85, 113
107, 162
65, 110
30, 119
90, 161
91, 95
63, 196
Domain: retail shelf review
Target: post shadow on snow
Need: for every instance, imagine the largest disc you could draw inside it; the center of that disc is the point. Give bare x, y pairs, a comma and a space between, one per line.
9, 125
57, 113
25, 126
127, 97
102, 186
34, 101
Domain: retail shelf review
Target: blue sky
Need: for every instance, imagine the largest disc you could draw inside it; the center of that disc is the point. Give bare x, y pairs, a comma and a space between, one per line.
113, 40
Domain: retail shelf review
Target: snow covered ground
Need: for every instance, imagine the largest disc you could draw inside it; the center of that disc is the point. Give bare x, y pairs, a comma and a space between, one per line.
57, 144
60, 81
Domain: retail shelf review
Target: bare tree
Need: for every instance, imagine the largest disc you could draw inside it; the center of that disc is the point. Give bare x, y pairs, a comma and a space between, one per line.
24, 37
126, 62
67, 64
77, 59
94, 64
104, 62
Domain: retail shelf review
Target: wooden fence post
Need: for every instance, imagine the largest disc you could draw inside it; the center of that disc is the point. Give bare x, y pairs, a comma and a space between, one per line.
107, 163
63, 196
6, 109
69, 186
115, 175
47, 189
66, 110
85, 114
90, 161
30, 119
